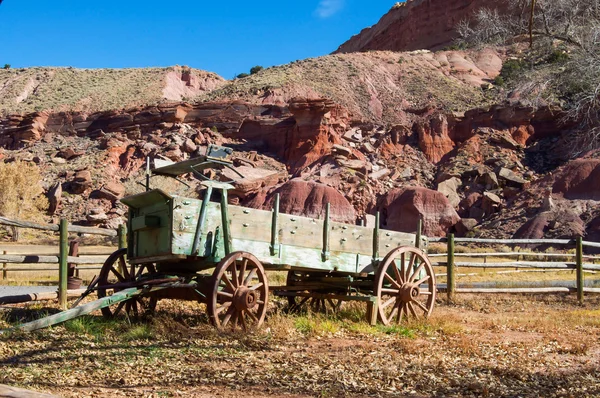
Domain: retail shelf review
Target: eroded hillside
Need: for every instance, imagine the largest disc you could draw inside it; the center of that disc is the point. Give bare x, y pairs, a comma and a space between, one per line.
90, 90
381, 87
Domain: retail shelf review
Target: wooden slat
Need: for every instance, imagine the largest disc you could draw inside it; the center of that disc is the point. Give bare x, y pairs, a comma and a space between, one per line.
24, 259
518, 241
300, 231
514, 264
533, 290
54, 227
351, 239
250, 224
25, 298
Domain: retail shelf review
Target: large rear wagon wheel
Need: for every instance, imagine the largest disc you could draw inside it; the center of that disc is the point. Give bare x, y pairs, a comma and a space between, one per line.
114, 274
239, 293
405, 286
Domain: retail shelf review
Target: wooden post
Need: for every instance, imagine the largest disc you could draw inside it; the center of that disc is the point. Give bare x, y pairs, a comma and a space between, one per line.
451, 282
63, 267
225, 221
325, 252
376, 240
579, 261
201, 221
274, 227
4, 270
122, 234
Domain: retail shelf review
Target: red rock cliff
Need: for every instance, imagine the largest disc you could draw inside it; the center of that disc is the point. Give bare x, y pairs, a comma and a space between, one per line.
416, 25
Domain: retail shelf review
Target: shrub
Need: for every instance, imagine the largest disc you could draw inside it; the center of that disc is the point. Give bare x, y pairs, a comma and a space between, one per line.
499, 81
512, 68
255, 69
21, 196
6, 66
242, 75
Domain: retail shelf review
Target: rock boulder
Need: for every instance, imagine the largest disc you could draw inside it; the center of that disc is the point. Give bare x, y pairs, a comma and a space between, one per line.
402, 208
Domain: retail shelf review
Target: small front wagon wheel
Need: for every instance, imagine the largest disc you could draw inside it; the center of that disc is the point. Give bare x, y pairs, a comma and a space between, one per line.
239, 293
405, 286
116, 275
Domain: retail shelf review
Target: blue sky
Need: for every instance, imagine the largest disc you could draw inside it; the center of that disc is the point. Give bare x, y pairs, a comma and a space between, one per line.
226, 37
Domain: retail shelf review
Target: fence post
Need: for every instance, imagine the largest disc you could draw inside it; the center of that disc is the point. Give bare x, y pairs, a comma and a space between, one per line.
122, 234
63, 267
4, 270
579, 261
450, 281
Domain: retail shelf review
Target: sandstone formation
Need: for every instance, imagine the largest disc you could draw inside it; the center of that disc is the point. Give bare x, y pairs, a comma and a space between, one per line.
416, 25
401, 210
307, 199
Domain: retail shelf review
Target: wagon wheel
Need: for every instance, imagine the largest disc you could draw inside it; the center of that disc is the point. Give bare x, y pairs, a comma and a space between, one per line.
116, 271
239, 293
404, 285
295, 303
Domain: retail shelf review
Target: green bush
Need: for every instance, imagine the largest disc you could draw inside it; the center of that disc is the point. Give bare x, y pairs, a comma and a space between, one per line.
242, 75
6, 66
513, 68
255, 69
558, 56
499, 81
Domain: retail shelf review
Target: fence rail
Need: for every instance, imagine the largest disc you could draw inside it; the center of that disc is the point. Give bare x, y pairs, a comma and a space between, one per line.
578, 265
63, 259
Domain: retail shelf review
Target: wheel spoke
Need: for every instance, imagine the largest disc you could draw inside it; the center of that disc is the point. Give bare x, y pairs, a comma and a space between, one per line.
389, 278
119, 307
411, 263
228, 315
243, 319
234, 277
251, 315
420, 305
416, 273
387, 303
392, 291
401, 312
123, 266
242, 272
257, 286
425, 293
117, 274
250, 276
412, 309
403, 268
420, 281
228, 284
223, 307
224, 294
132, 273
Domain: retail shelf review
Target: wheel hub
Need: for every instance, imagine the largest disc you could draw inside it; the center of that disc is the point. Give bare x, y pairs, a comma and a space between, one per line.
409, 292
245, 299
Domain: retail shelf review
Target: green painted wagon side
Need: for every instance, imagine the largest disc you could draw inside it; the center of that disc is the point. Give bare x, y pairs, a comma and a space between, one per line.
163, 229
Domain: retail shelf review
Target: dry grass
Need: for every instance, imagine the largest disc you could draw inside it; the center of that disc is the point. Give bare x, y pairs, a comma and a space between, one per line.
480, 346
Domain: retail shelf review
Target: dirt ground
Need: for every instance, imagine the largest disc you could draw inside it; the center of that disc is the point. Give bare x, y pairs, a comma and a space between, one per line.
478, 346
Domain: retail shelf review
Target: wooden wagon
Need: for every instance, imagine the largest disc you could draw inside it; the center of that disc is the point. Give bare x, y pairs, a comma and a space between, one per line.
177, 240
218, 254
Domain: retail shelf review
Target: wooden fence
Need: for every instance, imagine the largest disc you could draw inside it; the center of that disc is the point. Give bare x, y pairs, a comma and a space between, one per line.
63, 259
579, 265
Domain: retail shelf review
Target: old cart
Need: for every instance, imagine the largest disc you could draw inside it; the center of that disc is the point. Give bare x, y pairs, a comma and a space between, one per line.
176, 240
216, 253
